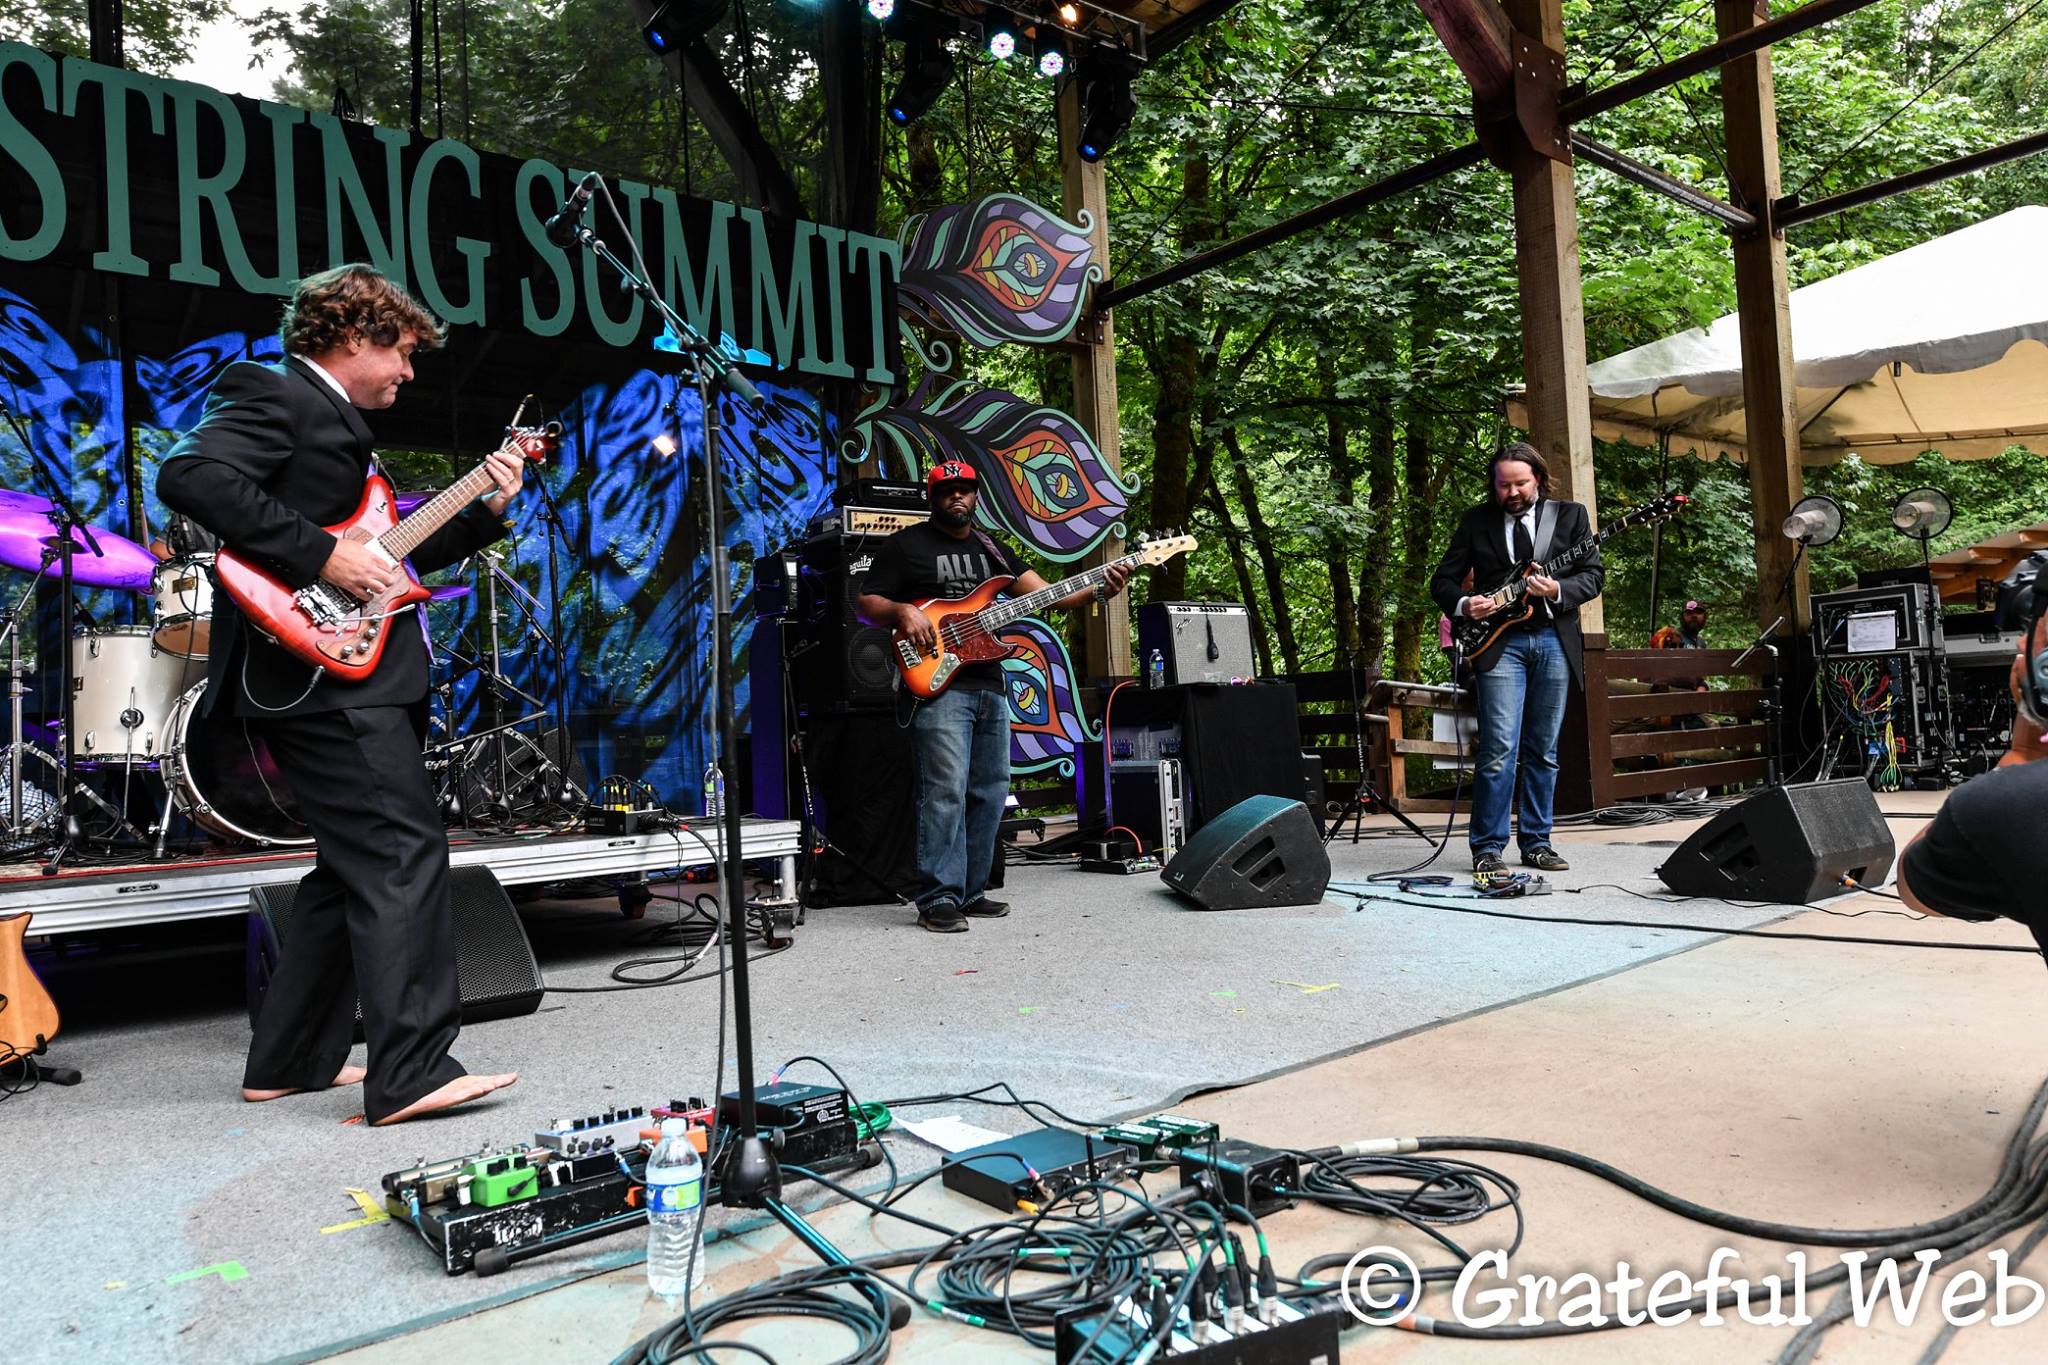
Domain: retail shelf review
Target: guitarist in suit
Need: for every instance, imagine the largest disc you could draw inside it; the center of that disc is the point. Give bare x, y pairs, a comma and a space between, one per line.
280, 452
961, 738
1521, 679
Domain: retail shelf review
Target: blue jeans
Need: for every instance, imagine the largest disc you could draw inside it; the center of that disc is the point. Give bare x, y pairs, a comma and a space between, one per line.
1521, 705
962, 741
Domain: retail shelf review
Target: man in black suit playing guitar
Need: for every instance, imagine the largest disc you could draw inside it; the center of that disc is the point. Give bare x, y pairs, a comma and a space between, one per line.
280, 453
1522, 676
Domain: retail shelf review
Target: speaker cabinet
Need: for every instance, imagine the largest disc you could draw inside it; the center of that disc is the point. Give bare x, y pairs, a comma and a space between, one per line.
836, 662
1787, 845
1199, 641
1262, 851
493, 961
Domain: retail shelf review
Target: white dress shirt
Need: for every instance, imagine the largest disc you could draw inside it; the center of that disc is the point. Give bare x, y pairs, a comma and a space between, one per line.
1507, 540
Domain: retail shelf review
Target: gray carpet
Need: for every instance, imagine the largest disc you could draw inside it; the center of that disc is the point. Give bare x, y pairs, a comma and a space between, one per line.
1099, 994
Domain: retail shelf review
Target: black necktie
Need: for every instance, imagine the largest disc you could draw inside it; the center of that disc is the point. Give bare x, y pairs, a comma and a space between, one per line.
1525, 548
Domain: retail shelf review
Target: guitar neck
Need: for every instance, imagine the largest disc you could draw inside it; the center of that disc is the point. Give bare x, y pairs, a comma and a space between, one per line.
1557, 563
995, 617
430, 516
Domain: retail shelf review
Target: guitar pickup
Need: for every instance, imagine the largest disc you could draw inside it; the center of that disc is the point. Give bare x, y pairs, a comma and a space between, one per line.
317, 601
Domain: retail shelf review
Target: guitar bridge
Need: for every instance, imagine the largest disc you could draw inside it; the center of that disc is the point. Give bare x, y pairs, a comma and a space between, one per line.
324, 604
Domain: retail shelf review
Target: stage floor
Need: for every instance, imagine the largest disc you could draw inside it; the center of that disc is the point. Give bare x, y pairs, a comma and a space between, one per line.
1098, 994
122, 895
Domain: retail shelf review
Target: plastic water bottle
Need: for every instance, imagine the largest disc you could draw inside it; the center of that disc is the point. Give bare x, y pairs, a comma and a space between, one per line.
1155, 670
675, 1208
714, 790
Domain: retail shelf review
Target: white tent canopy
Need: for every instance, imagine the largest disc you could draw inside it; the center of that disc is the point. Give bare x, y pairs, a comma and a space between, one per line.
1942, 346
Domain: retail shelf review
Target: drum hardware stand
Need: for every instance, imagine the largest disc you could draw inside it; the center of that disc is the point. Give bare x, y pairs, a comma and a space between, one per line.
565, 792
17, 748
63, 518
1774, 750
1364, 796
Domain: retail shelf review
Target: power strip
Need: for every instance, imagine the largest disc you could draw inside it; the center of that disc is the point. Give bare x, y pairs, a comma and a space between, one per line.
1297, 1334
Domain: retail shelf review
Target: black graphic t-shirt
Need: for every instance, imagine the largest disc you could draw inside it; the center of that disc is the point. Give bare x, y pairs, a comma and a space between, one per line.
922, 562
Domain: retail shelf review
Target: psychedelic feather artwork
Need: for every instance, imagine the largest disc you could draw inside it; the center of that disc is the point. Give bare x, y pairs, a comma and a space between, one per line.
999, 270
1046, 724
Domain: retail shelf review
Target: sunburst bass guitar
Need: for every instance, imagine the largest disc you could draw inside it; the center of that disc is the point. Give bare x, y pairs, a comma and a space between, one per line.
1511, 601
969, 628
325, 625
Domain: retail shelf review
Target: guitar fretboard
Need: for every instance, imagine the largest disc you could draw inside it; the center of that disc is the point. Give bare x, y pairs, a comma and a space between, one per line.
402, 539
994, 618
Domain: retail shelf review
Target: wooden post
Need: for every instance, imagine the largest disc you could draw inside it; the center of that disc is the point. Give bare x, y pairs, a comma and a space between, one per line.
1106, 626
1553, 310
1770, 400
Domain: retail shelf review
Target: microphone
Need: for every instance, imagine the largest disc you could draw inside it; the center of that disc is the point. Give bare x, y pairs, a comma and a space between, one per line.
561, 229
742, 387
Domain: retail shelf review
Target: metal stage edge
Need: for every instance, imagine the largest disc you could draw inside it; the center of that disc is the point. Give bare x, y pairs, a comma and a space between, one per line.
159, 893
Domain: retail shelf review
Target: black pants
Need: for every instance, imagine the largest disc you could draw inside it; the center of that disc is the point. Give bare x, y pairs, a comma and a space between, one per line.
372, 918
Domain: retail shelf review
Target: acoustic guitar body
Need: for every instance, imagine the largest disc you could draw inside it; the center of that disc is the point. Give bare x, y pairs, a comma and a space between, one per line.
29, 1018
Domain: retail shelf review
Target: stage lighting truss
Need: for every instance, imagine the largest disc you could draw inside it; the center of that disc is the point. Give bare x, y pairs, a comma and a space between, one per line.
1074, 25
676, 22
1923, 514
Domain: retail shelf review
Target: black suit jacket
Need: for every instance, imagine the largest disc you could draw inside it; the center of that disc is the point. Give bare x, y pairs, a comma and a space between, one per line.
1480, 544
277, 455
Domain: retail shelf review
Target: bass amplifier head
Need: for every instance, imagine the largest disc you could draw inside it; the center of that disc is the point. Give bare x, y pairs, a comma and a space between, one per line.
1786, 845
1263, 851
1200, 641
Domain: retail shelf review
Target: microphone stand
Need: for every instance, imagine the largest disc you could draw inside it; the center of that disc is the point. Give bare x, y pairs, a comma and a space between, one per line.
551, 514
753, 1177
1774, 750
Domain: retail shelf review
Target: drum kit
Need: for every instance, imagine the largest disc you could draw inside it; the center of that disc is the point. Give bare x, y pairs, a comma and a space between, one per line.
134, 695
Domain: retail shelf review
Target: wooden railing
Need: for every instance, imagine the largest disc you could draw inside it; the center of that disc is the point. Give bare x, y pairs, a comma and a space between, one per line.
1623, 741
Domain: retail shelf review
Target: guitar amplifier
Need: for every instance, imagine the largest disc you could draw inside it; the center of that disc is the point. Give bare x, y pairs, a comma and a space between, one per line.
1201, 642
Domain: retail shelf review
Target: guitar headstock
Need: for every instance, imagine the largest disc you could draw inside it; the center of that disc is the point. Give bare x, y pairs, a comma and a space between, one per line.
1661, 508
533, 443
1158, 549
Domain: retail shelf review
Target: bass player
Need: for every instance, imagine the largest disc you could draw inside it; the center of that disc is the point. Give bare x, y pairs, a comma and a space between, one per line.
960, 738
280, 452
1521, 679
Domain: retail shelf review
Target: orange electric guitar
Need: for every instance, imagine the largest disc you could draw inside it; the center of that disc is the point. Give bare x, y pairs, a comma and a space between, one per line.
28, 1017
325, 625
970, 627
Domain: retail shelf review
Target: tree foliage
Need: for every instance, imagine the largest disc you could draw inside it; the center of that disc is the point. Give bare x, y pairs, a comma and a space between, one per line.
1320, 411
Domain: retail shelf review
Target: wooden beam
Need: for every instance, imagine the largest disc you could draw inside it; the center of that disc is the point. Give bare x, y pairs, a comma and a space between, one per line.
1763, 305
1479, 38
1553, 308
1084, 197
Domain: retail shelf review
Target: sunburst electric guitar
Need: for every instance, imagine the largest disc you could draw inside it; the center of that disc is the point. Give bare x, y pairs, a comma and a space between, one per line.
1511, 601
970, 627
325, 625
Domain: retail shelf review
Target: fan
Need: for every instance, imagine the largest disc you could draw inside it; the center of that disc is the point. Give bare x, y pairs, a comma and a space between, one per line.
1923, 514
1815, 521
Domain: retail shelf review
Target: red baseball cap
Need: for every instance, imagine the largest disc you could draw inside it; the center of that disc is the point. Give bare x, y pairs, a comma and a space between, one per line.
950, 471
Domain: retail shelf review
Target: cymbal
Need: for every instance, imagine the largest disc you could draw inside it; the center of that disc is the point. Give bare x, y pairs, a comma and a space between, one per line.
26, 531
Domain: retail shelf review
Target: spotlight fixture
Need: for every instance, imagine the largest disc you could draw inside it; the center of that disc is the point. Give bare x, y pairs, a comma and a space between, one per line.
881, 9
1814, 521
1106, 101
927, 65
999, 35
1070, 14
1923, 514
676, 22
1049, 52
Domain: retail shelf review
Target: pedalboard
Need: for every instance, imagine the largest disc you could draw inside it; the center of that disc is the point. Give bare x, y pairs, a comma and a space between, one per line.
1034, 1167
1276, 1331
1243, 1173
612, 1130
1123, 867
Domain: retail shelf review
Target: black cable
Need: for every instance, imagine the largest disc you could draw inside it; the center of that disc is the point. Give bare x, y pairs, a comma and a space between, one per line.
1443, 903
980, 1095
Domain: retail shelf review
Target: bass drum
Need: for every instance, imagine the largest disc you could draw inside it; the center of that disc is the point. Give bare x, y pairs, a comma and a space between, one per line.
224, 779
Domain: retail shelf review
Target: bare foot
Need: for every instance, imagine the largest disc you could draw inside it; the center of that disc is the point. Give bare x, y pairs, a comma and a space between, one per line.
461, 1090
348, 1075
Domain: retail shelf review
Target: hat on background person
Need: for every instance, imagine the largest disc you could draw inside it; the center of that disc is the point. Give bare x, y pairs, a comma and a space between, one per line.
950, 471
1694, 604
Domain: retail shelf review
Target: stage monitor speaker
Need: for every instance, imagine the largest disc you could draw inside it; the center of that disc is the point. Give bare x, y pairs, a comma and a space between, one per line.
493, 961
1263, 851
1786, 845
837, 662
1199, 641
